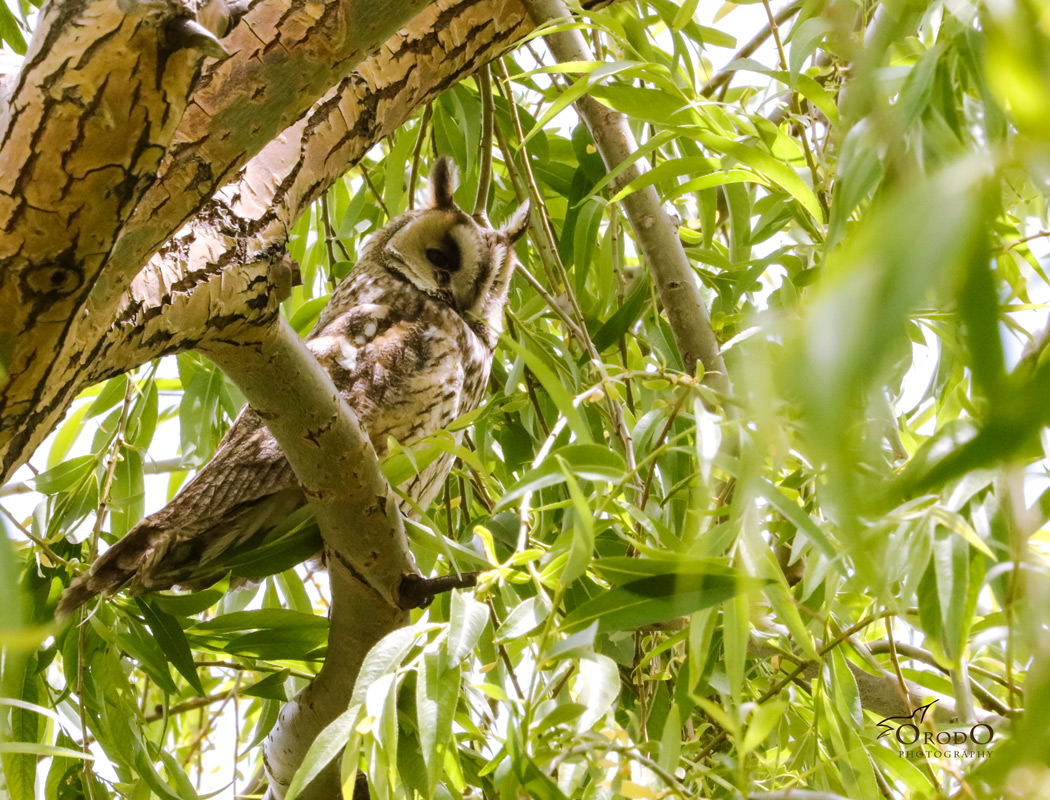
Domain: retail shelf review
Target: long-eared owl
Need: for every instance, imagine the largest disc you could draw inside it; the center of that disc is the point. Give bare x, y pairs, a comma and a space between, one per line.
407, 337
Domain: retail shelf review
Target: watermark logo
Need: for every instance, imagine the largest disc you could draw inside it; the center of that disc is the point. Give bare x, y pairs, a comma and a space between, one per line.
915, 743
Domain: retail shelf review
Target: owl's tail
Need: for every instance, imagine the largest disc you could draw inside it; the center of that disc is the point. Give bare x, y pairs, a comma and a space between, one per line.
113, 568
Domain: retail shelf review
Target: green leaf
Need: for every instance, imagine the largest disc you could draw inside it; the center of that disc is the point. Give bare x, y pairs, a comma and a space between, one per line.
468, 620
524, 618
581, 548
384, 657
263, 619
552, 386
65, 475
656, 599
132, 638
10, 33
276, 644
587, 461
113, 392
619, 570
172, 641
272, 687
766, 165
623, 319
437, 693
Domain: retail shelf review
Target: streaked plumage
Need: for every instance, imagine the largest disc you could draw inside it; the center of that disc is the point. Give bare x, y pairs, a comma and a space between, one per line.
407, 338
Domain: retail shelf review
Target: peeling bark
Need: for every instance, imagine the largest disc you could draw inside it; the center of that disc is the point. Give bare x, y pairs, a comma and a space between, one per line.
82, 134
215, 274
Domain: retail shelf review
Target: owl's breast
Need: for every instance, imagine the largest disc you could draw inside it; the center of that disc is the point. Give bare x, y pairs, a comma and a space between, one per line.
407, 368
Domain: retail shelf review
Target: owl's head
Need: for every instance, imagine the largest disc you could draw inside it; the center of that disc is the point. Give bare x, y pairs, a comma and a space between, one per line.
451, 256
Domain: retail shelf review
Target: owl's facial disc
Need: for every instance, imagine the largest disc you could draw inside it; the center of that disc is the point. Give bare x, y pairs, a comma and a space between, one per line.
438, 251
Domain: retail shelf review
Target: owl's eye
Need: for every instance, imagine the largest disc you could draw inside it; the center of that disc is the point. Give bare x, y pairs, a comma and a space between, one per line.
439, 258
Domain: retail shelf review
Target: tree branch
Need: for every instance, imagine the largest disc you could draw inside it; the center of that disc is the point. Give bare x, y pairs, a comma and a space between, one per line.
655, 231
723, 77
365, 544
82, 135
880, 694
218, 272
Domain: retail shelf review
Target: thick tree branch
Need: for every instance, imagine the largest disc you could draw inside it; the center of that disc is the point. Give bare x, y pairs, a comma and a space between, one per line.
654, 230
217, 273
112, 116
285, 56
82, 134
365, 544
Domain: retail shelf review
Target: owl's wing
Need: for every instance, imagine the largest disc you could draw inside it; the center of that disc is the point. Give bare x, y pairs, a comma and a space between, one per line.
247, 485
405, 376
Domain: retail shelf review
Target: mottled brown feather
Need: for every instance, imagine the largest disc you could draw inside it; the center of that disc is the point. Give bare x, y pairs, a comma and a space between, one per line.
401, 348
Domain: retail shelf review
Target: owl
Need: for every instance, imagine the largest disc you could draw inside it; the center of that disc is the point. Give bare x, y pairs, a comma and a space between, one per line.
407, 338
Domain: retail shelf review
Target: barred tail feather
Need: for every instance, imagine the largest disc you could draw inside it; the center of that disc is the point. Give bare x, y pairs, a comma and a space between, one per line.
113, 568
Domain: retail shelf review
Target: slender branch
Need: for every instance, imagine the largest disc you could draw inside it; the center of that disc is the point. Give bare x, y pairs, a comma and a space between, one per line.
149, 468
375, 193
55, 557
421, 137
656, 233
485, 171
926, 657
796, 107
1008, 246
726, 75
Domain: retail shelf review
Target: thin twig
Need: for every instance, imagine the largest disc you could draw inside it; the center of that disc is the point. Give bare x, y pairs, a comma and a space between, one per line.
778, 687
326, 223
55, 557
529, 380
421, 137
329, 238
100, 516
615, 409
1008, 246
726, 75
521, 192
485, 170
149, 468
372, 189
897, 666
797, 108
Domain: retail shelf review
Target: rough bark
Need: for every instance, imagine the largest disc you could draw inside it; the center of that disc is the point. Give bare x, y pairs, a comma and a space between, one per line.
358, 515
285, 56
82, 135
215, 274
108, 91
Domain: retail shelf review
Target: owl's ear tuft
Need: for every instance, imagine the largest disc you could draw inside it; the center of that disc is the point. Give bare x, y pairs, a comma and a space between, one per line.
514, 228
443, 180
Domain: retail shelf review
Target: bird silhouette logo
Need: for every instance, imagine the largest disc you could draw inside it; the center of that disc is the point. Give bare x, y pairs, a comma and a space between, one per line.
914, 719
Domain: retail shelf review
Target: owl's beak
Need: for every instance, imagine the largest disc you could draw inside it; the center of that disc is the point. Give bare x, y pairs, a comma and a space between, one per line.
464, 293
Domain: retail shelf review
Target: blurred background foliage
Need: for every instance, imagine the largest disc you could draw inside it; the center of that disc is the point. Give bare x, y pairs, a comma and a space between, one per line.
863, 198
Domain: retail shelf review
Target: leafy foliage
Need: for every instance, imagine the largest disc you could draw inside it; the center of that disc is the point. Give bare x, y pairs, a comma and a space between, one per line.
693, 603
